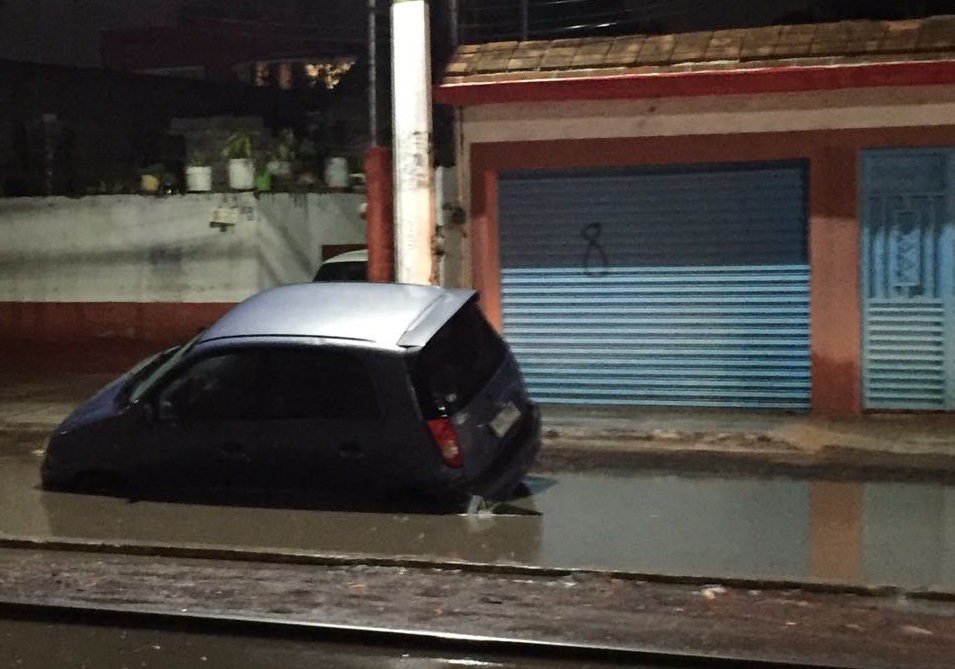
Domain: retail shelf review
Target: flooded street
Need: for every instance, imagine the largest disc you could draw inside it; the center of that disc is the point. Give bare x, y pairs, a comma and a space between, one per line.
779, 529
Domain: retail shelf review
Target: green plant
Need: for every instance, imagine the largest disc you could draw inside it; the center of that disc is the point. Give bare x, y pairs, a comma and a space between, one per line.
285, 145
155, 169
308, 154
238, 146
198, 159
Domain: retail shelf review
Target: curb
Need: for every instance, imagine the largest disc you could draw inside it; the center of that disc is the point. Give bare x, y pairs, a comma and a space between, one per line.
37, 429
137, 549
840, 464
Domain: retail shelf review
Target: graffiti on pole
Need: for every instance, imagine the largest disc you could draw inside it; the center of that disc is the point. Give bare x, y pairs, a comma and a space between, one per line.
414, 161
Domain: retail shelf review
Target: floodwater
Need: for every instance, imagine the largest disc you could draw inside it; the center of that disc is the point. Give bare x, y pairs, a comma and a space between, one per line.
33, 645
854, 533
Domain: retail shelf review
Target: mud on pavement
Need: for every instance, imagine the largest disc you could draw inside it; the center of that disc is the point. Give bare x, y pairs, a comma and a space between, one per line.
866, 629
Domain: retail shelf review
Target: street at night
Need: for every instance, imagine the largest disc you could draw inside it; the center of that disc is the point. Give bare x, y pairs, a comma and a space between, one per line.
428, 334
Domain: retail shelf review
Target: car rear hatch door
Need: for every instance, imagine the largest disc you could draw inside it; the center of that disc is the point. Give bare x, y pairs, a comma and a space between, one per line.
467, 376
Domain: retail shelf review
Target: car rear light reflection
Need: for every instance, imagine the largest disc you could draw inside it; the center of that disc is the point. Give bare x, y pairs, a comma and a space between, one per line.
446, 441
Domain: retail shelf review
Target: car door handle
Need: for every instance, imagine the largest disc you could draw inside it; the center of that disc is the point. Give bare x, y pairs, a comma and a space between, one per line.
350, 449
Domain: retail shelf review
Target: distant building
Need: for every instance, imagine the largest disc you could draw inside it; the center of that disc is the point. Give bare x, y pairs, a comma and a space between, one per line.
286, 44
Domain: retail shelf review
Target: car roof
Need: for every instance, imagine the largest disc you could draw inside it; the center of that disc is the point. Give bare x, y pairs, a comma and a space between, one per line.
361, 255
387, 314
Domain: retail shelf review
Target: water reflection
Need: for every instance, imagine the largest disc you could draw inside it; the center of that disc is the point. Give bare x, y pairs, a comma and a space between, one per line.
857, 533
676, 525
860, 533
483, 537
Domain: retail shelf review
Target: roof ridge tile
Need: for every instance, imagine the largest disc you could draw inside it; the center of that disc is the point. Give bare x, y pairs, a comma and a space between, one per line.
849, 42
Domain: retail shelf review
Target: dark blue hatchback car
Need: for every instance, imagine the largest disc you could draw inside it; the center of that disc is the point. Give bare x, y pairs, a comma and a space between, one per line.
360, 389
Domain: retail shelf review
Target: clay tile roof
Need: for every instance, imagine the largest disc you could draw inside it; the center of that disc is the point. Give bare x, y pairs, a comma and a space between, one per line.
842, 43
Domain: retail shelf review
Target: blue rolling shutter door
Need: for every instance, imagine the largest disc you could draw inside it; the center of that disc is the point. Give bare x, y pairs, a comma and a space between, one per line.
672, 287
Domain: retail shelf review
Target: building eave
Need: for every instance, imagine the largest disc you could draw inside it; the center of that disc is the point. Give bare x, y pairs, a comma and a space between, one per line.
735, 81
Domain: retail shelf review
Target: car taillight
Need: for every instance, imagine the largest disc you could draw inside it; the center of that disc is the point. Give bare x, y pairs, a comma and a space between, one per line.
446, 441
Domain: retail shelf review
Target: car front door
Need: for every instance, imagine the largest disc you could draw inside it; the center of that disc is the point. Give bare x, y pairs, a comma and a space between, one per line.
204, 428
327, 435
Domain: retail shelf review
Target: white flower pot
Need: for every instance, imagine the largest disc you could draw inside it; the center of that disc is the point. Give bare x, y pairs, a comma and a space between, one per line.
336, 173
241, 174
199, 179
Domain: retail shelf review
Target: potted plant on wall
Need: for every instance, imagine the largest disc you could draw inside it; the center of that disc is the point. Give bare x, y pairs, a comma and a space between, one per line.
337, 175
238, 150
198, 173
283, 153
151, 178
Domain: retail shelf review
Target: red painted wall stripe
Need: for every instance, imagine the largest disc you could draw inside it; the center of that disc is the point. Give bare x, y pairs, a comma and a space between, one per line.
66, 321
58, 337
783, 79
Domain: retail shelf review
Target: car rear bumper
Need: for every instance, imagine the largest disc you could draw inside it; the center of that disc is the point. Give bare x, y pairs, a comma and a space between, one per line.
506, 472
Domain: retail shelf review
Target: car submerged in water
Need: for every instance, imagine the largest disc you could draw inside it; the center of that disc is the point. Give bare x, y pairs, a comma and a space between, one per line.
361, 390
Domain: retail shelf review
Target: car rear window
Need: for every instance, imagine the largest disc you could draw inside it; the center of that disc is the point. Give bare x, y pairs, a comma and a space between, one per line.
456, 363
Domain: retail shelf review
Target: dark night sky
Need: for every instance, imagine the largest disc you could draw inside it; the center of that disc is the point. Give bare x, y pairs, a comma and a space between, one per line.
66, 32
691, 15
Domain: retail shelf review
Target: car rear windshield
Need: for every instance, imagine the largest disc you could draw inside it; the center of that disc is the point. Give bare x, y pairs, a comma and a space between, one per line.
456, 363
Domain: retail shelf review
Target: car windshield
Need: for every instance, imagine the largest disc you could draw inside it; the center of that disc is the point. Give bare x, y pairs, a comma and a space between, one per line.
455, 364
146, 374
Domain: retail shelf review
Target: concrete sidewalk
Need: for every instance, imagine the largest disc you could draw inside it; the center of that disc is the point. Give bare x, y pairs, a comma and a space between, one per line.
618, 436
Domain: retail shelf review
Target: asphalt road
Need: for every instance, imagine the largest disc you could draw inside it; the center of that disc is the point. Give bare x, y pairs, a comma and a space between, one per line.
42, 645
484, 612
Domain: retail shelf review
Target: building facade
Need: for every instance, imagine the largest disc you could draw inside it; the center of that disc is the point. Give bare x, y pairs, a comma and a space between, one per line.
758, 218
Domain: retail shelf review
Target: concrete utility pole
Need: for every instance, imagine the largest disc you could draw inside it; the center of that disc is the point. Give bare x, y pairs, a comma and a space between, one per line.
413, 142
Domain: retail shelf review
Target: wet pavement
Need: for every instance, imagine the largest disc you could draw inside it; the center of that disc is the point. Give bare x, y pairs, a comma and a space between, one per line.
774, 529
591, 504
484, 610
37, 645
697, 531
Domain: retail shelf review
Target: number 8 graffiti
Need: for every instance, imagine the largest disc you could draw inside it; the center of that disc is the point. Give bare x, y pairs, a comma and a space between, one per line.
591, 234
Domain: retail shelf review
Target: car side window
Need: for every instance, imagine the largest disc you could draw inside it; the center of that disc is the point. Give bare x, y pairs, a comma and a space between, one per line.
220, 387
303, 384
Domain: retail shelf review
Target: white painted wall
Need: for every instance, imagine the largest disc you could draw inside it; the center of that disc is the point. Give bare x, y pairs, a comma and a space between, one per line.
134, 248
292, 229
707, 115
